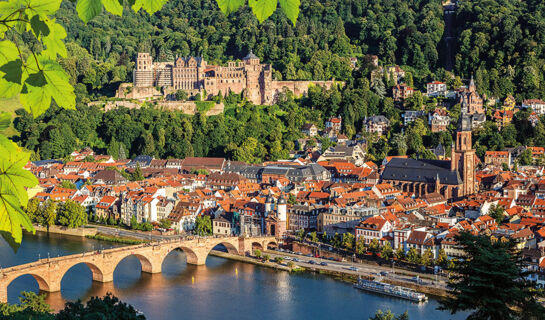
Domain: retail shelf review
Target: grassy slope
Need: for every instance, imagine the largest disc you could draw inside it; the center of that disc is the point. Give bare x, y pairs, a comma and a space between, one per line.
10, 105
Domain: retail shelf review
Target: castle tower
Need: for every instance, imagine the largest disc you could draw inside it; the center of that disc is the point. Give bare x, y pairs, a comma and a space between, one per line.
143, 73
463, 157
254, 81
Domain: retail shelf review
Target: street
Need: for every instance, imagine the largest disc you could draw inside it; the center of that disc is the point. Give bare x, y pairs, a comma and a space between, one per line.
359, 269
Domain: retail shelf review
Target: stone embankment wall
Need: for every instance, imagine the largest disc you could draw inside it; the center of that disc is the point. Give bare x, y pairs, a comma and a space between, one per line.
77, 232
187, 107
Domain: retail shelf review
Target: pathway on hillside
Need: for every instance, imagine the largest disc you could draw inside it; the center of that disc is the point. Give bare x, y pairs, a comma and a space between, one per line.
449, 36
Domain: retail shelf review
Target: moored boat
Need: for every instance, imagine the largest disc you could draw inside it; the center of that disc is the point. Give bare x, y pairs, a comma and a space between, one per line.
391, 290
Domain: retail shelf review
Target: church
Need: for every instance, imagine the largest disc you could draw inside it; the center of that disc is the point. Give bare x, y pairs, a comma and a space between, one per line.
454, 178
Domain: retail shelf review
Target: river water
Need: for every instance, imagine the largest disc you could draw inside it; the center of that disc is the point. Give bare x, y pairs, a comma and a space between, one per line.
221, 289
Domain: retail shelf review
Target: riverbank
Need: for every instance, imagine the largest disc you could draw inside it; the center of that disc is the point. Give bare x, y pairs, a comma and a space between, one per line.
120, 240
342, 275
254, 261
74, 232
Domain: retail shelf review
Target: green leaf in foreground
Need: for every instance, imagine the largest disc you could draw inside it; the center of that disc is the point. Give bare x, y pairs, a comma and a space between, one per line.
88, 9
51, 82
43, 7
113, 6
5, 120
262, 8
291, 9
14, 180
11, 78
151, 6
228, 6
53, 41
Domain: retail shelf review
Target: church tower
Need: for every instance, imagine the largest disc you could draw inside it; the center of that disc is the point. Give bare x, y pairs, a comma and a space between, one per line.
463, 157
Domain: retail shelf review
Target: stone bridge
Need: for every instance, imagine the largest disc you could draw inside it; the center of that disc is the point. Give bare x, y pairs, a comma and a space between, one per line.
49, 272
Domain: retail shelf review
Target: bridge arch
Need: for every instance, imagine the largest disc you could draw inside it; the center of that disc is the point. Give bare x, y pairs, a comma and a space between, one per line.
43, 285
147, 264
231, 248
271, 244
98, 274
257, 245
192, 257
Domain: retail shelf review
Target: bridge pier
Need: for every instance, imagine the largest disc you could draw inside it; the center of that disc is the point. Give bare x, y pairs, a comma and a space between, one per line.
3, 292
103, 277
153, 265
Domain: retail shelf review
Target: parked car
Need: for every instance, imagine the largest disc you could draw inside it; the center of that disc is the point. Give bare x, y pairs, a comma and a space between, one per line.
323, 263
353, 268
296, 260
311, 262
383, 273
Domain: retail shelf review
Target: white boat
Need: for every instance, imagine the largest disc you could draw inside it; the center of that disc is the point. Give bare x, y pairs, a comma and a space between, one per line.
391, 290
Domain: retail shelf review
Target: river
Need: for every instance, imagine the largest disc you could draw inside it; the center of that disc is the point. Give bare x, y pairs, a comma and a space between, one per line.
221, 289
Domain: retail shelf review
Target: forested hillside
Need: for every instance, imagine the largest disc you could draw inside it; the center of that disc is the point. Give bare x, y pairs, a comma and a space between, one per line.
326, 34
502, 42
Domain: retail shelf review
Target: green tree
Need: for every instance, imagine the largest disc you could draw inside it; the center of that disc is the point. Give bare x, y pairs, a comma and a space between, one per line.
165, 223
442, 259
497, 212
181, 95
47, 214
490, 283
257, 253
137, 174
203, 225
348, 240
400, 254
388, 315
279, 260
301, 234
336, 241
413, 256
525, 158
68, 185
374, 246
427, 258
386, 251
33, 209
71, 214
360, 246
266, 258
108, 308
313, 236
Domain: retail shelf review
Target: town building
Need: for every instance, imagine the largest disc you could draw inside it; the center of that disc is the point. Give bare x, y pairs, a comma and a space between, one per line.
439, 120
335, 123
310, 129
377, 124
436, 88
401, 92
537, 105
471, 102
411, 115
497, 158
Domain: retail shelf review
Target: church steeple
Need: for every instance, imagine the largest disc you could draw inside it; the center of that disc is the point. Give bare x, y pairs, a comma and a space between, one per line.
437, 184
472, 87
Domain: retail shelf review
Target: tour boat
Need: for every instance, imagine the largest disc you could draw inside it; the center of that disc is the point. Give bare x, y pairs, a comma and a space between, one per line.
391, 290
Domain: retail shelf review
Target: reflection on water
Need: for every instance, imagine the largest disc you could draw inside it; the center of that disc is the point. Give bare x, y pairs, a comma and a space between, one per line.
222, 289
